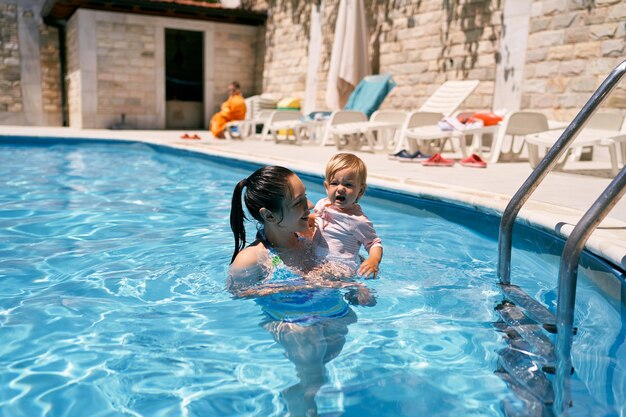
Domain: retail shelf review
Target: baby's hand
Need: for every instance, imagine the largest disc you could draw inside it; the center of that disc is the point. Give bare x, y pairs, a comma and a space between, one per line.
368, 269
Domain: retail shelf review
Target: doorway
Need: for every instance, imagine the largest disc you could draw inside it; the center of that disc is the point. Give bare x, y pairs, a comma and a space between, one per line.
184, 79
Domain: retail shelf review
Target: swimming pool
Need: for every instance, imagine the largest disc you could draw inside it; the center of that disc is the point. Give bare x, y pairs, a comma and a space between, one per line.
113, 259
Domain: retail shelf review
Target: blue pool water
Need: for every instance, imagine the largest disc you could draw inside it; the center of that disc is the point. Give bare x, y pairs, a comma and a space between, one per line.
113, 261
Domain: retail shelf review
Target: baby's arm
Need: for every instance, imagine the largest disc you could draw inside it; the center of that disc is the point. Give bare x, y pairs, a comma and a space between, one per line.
371, 241
369, 267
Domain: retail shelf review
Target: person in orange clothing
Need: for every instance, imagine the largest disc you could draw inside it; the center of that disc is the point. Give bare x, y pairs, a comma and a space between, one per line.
232, 109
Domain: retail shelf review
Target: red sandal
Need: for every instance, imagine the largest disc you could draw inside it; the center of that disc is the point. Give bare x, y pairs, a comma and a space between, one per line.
474, 161
438, 161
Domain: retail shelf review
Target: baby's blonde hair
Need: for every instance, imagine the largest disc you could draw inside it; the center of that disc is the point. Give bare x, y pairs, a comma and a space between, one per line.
343, 161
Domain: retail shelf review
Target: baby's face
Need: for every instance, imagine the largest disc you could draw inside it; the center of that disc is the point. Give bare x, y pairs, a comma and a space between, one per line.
344, 188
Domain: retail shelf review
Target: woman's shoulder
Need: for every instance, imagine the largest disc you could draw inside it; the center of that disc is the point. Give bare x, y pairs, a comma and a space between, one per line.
249, 265
248, 268
253, 255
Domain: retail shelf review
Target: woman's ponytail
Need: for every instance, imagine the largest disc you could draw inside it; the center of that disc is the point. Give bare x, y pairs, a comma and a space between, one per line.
237, 217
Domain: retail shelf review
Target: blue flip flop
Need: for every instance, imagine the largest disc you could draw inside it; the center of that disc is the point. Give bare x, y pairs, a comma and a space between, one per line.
400, 154
417, 156
405, 155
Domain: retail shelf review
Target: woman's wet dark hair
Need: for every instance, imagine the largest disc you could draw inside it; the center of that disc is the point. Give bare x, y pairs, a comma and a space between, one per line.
266, 187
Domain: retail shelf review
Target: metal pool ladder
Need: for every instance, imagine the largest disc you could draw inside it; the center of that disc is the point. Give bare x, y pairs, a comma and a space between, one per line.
568, 269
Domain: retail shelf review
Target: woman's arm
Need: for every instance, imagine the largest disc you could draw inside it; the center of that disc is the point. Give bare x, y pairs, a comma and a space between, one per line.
247, 269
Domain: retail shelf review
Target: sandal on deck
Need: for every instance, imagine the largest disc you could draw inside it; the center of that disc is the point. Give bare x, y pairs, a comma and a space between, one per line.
438, 161
474, 161
188, 136
401, 154
417, 157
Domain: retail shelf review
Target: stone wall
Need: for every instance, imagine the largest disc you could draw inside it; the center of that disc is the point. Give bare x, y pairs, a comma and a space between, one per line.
421, 43
235, 59
286, 42
50, 74
30, 92
424, 43
572, 47
72, 77
259, 60
126, 70
10, 86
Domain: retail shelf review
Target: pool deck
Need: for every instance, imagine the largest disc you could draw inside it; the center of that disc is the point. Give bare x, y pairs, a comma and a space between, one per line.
556, 205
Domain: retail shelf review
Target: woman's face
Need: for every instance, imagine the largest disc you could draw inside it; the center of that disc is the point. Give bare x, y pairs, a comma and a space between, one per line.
296, 207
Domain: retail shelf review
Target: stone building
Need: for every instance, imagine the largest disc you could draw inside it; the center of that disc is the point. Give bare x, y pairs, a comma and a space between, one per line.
121, 63
166, 63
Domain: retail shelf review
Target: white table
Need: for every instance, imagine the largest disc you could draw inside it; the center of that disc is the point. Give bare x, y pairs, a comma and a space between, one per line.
586, 137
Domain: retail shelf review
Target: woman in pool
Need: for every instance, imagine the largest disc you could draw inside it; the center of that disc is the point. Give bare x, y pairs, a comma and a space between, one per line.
305, 311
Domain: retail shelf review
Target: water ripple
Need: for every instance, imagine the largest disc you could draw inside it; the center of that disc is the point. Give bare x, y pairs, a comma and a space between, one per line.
113, 262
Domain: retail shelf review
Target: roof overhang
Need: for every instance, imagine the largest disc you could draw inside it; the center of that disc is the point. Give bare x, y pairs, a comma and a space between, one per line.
55, 11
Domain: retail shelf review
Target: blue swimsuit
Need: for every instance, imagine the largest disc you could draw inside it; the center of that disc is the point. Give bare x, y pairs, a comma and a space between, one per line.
305, 307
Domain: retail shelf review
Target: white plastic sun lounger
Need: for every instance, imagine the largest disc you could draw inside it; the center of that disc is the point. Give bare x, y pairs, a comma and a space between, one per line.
245, 129
379, 132
442, 103
341, 117
427, 135
515, 125
282, 120
587, 137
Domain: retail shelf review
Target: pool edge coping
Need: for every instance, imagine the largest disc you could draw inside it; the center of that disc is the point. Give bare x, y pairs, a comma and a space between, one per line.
605, 242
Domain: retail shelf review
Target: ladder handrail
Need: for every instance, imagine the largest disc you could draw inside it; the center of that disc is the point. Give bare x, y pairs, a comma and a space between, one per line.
509, 215
568, 275
568, 270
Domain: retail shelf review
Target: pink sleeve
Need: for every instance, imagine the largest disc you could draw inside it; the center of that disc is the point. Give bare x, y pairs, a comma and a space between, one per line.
365, 233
